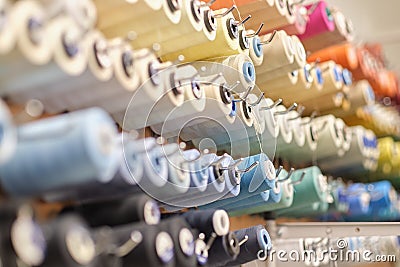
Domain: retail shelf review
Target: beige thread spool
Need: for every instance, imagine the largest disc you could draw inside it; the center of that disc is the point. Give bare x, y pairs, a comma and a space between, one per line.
225, 43
267, 14
168, 15
7, 31
279, 52
170, 49
190, 24
286, 80
298, 63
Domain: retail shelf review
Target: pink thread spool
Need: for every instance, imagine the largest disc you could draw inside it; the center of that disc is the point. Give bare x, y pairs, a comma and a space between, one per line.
299, 25
320, 21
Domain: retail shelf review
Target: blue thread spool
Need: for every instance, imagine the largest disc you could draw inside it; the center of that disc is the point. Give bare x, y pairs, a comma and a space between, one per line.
383, 199
63, 151
8, 135
250, 202
123, 183
215, 184
358, 200
155, 165
257, 180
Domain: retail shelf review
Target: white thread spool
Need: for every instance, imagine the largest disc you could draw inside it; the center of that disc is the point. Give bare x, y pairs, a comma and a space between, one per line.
32, 49
82, 11
346, 135
330, 138
285, 130
8, 134
237, 70
225, 43
192, 105
280, 52
298, 63
69, 59
256, 49
356, 156
305, 153
7, 32
218, 108
153, 111
85, 89
244, 42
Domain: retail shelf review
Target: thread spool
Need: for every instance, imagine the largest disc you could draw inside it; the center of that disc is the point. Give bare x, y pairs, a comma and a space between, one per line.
249, 8
256, 49
299, 25
343, 54
237, 69
298, 63
243, 204
299, 137
225, 42
285, 202
285, 131
320, 20
244, 42
208, 221
206, 34
280, 52
218, 109
184, 241
69, 241
152, 76
69, 59
273, 12
190, 24
155, 165
178, 174
312, 189
124, 182
88, 87
156, 247
199, 174
18, 226
273, 86
325, 39
225, 249
107, 10
330, 137
358, 199
194, 102
257, 180
258, 239
30, 51
361, 95
287, 17
83, 12
8, 134
172, 98
383, 197
124, 81
215, 185
331, 73
354, 159
138, 208
168, 15
7, 32
307, 151
76, 165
